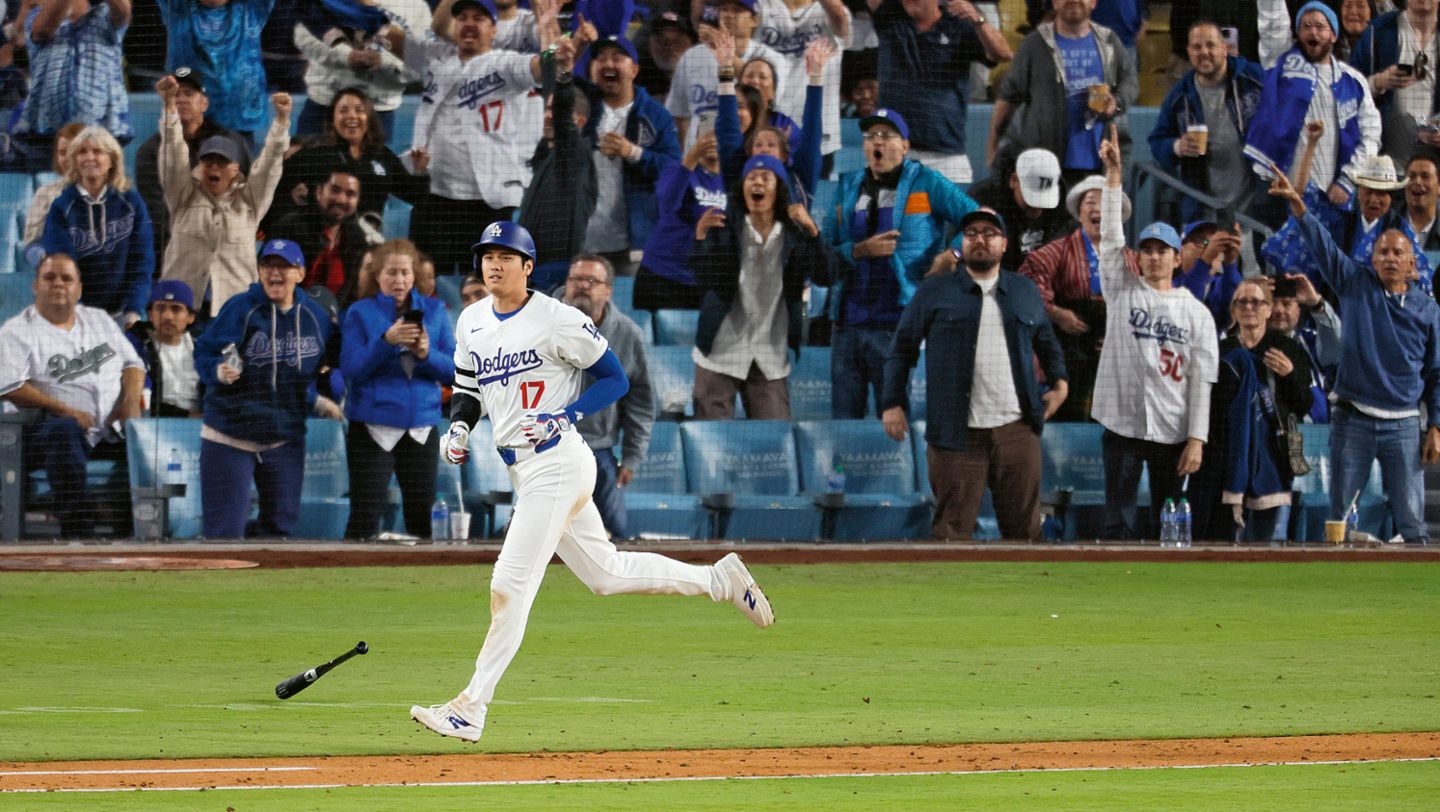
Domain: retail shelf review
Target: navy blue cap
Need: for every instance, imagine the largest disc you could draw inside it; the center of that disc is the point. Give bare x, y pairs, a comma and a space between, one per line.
484, 5
1190, 228
987, 215
886, 116
288, 250
222, 145
616, 42
769, 162
172, 290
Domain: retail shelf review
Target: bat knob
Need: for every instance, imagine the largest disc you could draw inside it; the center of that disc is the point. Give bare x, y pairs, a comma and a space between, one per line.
361, 648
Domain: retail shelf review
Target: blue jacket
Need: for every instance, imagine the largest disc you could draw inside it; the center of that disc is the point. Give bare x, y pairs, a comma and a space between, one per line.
945, 314
649, 125
1212, 291
683, 195
380, 391
1379, 48
804, 163
1182, 107
1389, 351
113, 243
1252, 473
927, 201
282, 354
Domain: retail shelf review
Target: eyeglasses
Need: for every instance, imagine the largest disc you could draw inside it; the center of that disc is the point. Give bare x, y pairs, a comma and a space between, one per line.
1315, 25
981, 234
882, 135
585, 281
1250, 304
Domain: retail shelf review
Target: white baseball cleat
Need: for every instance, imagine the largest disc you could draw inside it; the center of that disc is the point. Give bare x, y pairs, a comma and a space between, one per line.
744, 593
446, 721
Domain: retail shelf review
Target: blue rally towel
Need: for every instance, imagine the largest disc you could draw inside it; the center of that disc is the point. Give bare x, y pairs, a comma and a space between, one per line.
1289, 87
322, 15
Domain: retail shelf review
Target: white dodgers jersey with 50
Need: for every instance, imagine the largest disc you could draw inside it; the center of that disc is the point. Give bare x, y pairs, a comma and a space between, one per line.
529, 363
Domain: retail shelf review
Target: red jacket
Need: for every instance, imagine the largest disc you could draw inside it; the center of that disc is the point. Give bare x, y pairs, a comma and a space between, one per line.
1060, 268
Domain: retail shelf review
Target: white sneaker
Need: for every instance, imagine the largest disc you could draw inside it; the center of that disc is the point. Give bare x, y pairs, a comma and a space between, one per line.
744, 593
446, 721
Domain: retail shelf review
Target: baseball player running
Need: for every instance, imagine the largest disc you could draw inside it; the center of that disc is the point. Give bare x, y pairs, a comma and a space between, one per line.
520, 356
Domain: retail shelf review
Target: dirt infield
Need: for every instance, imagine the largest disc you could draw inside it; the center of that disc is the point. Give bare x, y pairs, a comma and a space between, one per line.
662, 765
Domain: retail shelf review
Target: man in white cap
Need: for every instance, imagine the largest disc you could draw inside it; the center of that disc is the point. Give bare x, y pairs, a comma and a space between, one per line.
1027, 194
1067, 272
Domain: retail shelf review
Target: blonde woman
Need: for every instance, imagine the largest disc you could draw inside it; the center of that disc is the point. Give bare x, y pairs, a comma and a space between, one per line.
45, 195
214, 209
397, 351
103, 224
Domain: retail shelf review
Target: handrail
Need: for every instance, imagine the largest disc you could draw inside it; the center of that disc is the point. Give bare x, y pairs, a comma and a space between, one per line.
1142, 171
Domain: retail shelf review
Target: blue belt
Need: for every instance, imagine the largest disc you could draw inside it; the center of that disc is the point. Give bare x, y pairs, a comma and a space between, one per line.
508, 454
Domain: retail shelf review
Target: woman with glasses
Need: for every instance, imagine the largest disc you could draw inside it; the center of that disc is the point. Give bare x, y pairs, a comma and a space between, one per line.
1243, 490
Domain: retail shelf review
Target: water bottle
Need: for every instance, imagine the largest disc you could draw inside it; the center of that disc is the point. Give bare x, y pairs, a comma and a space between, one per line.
1182, 524
1352, 523
174, 469
835, 483
1167, 524
439, 519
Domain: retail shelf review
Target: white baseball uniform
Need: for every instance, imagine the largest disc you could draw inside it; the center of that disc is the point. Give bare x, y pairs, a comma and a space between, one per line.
695, 87
532, 362
788, 32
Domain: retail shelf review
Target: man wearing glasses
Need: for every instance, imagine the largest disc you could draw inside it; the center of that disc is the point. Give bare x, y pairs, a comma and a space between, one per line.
985, 410
888, 225
588, 289
1398, 52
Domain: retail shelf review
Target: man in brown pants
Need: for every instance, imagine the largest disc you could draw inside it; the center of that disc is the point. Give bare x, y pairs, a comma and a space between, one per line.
982, 327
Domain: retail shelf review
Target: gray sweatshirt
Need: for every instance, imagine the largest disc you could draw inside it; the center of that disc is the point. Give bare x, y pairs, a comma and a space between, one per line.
635, 412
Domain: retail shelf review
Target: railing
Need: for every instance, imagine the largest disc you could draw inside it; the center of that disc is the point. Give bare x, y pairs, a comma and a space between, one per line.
1147, 183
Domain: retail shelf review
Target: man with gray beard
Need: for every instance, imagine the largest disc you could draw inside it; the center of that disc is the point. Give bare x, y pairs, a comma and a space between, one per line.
588, 289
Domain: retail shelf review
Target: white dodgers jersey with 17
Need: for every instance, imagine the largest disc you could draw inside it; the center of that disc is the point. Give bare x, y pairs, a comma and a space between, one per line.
532, 362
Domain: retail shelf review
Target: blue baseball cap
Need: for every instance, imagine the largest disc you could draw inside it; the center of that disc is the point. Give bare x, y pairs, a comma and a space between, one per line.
288, 250
749, 4
886, 116
615, 42
221, 145
987, 215
1191, 228
1164, 232
769, 162
172, 290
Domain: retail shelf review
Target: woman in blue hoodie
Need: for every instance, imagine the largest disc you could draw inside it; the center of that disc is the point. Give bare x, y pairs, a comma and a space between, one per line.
397, 350
103, 223
259, 360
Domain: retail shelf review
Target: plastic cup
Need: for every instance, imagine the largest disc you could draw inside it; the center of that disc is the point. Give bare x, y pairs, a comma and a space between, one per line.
1099, 98
1200, 134
460, 526
1335, 531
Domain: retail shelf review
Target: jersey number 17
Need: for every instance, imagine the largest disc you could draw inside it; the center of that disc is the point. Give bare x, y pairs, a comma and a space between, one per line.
530, 392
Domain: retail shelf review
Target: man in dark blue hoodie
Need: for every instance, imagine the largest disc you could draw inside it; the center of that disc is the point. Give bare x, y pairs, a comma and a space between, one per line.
258, 361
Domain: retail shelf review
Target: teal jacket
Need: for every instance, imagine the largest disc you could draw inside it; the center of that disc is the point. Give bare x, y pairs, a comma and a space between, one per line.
927, 202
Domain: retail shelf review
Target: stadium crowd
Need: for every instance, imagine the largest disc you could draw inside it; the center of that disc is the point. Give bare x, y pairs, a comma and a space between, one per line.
686, 144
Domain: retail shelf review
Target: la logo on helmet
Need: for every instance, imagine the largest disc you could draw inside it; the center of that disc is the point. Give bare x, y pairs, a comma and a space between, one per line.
493, 231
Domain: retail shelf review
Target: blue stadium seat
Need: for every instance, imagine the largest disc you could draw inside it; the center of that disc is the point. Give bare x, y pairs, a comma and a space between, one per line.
324, 506
657, 502
9, 235
17, 292
918, 390
817, 302
672, 376
488, 490
1310, 505
148, 442
676, 327
822, 205
810, 385
623, 294
753, 463
880, 500
16, 190
397, 218
646, 322
1071, 459
849, 159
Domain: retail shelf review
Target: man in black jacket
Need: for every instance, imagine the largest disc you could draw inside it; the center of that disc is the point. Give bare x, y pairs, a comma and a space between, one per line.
330, 235
167, 347
561, 197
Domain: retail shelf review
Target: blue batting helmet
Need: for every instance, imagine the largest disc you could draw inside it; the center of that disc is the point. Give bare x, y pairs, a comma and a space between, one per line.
504, 234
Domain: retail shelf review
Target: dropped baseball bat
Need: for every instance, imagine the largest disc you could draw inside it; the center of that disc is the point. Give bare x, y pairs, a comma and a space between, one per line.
294, 685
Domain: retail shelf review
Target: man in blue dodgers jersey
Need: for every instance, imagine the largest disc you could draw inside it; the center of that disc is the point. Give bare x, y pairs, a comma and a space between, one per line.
477, 125
520, 356
694, 87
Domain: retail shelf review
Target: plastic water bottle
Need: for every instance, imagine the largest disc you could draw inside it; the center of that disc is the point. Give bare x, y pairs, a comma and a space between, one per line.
439, 519
1352, 523
1182, 524
1167, 524
835, 483
174, 468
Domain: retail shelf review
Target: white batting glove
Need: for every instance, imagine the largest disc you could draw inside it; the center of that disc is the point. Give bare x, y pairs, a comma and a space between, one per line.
542, 428
457, 444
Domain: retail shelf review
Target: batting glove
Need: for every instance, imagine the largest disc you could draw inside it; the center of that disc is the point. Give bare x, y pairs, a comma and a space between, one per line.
457, 444
544, 427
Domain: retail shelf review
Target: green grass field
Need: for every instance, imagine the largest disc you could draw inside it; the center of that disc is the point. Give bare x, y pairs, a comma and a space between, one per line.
130, 665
